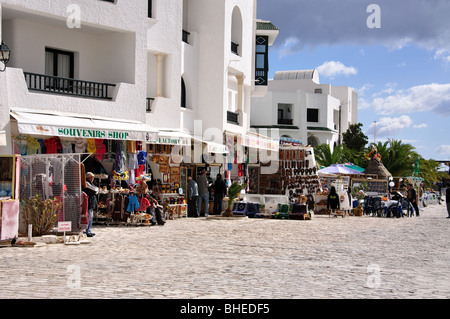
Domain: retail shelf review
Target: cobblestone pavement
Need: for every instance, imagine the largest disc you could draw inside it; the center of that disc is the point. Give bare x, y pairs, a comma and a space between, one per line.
352, 257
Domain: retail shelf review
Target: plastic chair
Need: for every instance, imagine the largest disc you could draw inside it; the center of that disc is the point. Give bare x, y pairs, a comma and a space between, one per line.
367, 205
377, 209
406, 207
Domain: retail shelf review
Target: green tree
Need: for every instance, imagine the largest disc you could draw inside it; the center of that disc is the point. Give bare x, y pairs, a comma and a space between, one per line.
354, 138
397, 157
429, 171
325, 157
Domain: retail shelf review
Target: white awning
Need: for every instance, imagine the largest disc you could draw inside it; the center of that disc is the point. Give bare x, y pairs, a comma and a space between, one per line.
173, 138
79, 126
213, 147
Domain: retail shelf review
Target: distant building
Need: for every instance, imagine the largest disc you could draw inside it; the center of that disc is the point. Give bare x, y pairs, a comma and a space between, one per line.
305, 110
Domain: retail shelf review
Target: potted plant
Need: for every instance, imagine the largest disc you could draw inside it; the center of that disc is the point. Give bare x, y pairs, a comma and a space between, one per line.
233, 193
359, 193
42, 214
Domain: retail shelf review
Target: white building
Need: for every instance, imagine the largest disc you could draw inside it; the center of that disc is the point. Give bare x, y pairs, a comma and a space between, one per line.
305, 110
166, 63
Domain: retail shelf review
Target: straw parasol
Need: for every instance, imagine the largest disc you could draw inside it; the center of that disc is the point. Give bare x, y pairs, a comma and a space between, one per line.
375, 167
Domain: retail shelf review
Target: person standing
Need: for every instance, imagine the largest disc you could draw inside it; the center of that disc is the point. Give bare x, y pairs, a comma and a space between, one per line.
192, 192
333, 200
203, 194
412, 198
447, 199
91, 191
220, 190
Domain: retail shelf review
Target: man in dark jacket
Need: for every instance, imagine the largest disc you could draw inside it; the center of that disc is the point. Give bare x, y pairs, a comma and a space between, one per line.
412, 198
91, 190
220, 190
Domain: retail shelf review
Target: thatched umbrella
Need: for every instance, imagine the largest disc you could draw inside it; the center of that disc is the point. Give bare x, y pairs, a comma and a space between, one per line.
375, 167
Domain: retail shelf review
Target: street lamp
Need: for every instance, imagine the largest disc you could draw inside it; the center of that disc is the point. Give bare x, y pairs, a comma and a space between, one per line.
5, 54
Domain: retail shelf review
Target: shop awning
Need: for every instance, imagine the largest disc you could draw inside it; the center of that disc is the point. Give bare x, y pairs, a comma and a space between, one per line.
173, 138
213, 147
63, 125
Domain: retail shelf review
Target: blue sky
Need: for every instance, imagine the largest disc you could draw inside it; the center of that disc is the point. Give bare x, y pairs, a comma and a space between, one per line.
400, 70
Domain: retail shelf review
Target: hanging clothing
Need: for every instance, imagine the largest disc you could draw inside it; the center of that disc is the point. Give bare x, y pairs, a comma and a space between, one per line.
22, 145
132, 161
100, 149
142, 158
53, 145
133, 204
131, 147
43, 148
91, 148
33, 146
80, 145
119, 163
67, 146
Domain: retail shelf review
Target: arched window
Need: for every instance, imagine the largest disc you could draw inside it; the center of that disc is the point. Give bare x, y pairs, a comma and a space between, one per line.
236, 31
183, 94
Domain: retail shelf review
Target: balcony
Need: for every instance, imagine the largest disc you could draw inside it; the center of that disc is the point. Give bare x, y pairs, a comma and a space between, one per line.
233, 117
285, 121
68, 86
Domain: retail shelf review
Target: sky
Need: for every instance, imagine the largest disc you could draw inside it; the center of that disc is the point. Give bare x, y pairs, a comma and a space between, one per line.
394, 53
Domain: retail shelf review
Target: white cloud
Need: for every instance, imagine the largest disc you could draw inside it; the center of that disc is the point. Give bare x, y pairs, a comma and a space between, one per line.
422, 98
331, 69
443, 150
419, 126
389, 126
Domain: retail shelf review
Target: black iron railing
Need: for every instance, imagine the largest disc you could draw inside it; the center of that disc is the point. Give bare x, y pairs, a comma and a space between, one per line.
68, 86
285, 121
149, 104
232, 117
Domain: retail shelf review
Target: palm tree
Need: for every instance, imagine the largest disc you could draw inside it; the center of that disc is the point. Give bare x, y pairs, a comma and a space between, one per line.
325, 157
397, 157
429, 171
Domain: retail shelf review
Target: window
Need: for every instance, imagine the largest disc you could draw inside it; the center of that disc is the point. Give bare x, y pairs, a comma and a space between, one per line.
318, 91
262, 61
236, 31
59, 63
312, 115
183, 94
150, 9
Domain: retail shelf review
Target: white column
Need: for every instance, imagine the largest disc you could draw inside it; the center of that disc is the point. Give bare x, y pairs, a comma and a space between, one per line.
239, 103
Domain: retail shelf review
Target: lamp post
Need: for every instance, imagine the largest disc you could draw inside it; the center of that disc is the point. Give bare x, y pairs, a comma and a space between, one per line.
5, 54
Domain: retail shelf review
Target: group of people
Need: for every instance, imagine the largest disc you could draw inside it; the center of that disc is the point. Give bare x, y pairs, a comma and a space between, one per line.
198, 193
333, 201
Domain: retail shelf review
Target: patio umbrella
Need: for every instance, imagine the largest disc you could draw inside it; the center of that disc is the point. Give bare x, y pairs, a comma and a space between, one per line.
355, 167
339, 169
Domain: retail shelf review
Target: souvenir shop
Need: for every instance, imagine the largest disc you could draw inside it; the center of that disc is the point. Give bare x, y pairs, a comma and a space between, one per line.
58, 151
284, 187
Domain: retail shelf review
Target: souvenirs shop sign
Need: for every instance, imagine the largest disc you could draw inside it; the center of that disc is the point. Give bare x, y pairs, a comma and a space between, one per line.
92, 133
